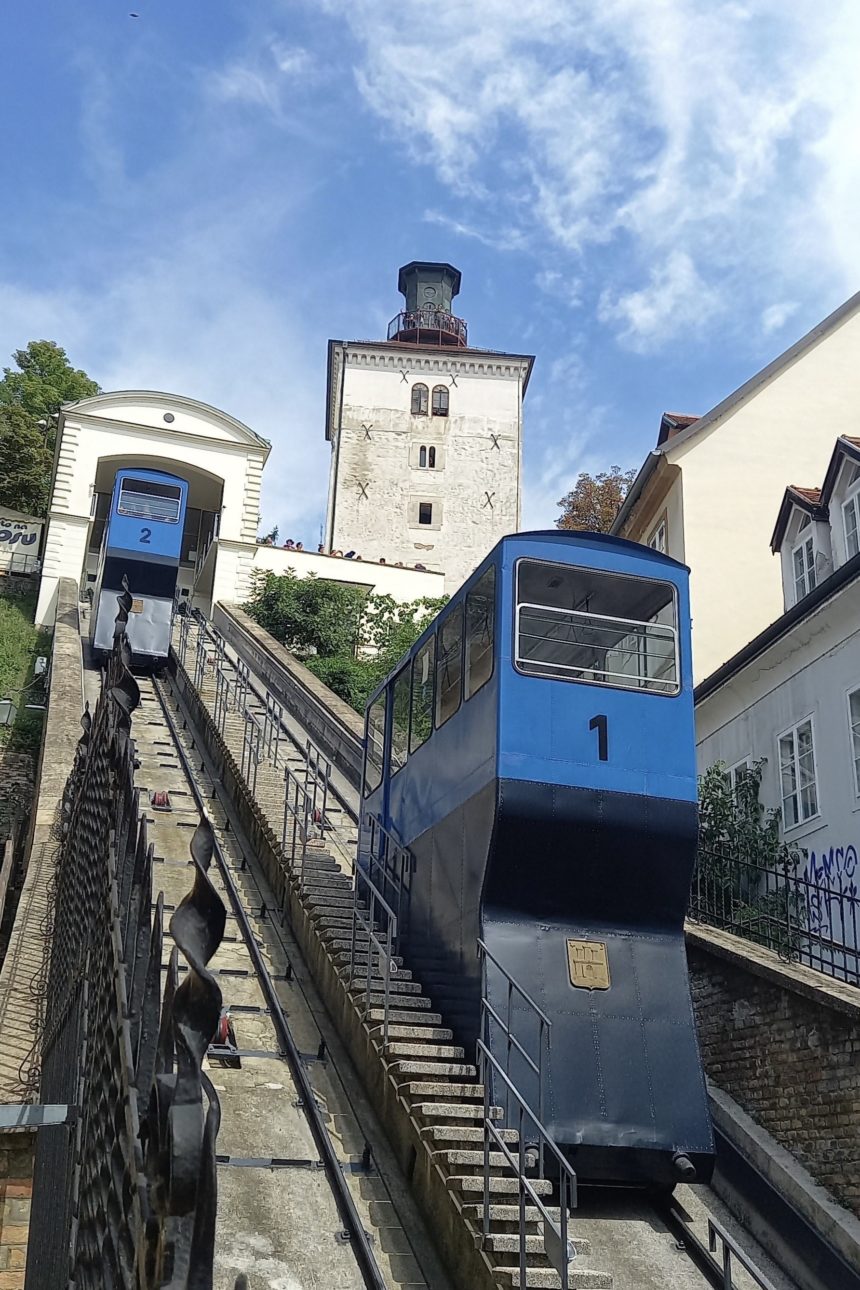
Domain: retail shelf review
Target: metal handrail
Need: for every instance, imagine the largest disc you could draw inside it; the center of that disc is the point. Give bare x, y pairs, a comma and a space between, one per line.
489, 1013
385, 948
731, 1250
557, 1245
393, 860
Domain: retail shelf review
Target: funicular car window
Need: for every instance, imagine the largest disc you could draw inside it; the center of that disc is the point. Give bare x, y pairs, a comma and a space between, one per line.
480, 630
449, 665
423, 674
581, 624
400, 691
374, 745
148, 499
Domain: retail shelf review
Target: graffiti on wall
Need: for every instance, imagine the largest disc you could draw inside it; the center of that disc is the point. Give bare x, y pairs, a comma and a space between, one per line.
834, 906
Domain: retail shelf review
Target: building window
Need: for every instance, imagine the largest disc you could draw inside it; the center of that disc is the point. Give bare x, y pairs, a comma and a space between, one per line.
440, 400
854, 723
657, 540
480, 624
598, 642
851, 519
427, 457
797, 775
803, 566
449, 666
423, 673
400, 720
425, 512
374, 746
420, 396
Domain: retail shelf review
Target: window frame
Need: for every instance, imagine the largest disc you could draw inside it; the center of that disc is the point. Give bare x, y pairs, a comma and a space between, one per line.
428, 523
405, 672
577, 680
662, 524
792, 730
456, 610
444, 393
854, 732
383, 699
430, 642
152, 519
808, 575
469, 693
424, 399
852, 502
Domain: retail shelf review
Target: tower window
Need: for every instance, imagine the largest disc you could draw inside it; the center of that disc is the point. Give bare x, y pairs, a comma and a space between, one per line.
427, 457
419, 401
425, 512
440, 400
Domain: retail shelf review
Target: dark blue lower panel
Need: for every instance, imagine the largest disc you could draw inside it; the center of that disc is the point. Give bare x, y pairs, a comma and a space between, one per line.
529, 867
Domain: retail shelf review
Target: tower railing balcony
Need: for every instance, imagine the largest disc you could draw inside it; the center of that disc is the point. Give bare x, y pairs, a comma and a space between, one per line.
428, 326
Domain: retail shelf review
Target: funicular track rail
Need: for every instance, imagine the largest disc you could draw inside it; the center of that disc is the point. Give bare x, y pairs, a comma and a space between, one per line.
353, 1225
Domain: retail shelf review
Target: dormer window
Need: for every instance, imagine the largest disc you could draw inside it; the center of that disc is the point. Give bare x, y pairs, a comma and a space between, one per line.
420, 398
851, 515
803, 561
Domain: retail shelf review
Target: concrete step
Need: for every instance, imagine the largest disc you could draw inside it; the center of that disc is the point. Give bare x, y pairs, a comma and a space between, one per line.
510, 1214
435, 1070
419, 1005
454, 1156
422, 1089
449, 1133
509, 1243
548, 1278
438, 1033
396, 985
396, 1014
473, 1184
444, 1052
433, 1111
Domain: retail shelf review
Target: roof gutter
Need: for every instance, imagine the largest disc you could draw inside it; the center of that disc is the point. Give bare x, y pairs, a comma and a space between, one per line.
825, 591
635, 492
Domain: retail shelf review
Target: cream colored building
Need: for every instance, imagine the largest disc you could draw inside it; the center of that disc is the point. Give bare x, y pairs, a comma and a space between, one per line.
709, 491
426, 436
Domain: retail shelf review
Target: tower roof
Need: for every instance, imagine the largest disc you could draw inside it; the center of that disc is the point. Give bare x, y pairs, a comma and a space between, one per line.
415, 267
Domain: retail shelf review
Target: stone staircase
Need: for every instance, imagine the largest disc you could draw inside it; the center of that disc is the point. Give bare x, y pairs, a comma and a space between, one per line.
433, 1079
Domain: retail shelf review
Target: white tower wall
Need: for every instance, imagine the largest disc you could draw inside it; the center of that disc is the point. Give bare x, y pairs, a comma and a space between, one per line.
378, 484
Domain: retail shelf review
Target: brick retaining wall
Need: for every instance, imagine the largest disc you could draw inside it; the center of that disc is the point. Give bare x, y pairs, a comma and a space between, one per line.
784, 1042
16, 1190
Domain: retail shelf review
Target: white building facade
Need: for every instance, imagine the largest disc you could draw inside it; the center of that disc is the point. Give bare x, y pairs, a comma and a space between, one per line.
711, 488
791, 697
426, 437
221, 459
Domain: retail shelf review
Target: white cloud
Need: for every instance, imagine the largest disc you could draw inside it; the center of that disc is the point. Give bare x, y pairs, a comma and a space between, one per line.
262, 79
711, 142
777, 315
675, 299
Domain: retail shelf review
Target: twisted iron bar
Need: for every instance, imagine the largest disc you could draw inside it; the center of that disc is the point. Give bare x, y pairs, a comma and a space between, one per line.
125, 1193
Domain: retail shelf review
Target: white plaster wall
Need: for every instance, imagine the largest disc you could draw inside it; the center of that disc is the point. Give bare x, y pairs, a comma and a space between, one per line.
734, 474
808, 673
404, 585
486, 401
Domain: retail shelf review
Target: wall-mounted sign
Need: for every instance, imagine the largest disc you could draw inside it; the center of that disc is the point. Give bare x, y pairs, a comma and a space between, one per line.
19, 536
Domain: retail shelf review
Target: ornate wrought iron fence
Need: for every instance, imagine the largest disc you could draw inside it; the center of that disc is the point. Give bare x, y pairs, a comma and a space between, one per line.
125, 1191
796, 908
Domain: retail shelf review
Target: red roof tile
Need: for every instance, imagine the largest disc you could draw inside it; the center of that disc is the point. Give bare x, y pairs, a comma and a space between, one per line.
811, 494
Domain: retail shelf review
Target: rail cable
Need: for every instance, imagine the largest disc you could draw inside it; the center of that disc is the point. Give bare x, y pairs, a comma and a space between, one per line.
353, 1226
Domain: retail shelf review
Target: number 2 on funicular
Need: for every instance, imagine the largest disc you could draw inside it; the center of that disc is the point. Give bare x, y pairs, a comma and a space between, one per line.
599, 724
145, 536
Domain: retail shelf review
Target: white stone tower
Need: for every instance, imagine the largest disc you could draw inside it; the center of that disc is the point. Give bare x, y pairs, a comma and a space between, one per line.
426, 436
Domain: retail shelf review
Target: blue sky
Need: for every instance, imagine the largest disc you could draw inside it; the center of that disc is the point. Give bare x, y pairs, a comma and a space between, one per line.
654, 197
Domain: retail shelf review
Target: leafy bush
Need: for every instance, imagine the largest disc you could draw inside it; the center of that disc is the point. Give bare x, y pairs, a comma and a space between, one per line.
743, 868
348, 638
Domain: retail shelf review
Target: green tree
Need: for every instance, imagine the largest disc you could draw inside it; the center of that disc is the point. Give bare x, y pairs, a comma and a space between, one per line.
349, 639
595, 500
31, 393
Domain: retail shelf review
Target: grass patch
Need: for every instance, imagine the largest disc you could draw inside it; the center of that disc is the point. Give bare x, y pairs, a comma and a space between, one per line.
21, 643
